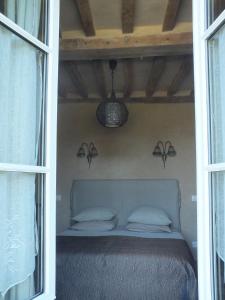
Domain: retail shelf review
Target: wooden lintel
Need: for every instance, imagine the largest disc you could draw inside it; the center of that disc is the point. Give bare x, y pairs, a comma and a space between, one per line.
128, 79
150, 100
99, 78
171, 14
84, 10
76, 78
128, 10
184, 70
157, 69
131, 46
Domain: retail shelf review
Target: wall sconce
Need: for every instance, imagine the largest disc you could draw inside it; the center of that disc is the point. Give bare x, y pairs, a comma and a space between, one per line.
164, 150
87, 150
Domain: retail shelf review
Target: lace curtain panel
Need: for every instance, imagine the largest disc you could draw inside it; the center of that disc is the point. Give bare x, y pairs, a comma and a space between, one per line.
20, 118
217, 113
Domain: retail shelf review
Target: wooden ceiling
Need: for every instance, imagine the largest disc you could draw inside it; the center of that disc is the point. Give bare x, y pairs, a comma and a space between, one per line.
151, 40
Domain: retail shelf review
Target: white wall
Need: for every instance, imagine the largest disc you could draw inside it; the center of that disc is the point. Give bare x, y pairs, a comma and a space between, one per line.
127, 152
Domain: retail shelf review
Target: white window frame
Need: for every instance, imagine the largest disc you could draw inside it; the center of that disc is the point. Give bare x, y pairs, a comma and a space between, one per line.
51, 50
201, 34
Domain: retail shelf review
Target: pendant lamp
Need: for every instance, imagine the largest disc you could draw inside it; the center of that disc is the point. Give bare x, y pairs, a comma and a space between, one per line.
111, 112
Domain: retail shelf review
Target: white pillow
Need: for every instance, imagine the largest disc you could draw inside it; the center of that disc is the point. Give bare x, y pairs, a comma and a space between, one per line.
95, 214
149, 215
94, 225
147, 228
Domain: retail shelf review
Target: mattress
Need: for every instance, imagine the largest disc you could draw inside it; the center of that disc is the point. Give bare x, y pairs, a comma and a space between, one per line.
121, 267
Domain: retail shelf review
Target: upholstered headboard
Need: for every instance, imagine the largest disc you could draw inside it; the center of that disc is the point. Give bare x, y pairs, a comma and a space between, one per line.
126, 195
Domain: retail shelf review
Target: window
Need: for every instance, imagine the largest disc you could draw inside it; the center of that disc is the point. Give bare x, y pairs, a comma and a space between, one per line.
28, 102
209, 62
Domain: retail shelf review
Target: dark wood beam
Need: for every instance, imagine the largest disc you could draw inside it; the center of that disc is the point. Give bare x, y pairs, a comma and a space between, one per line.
157, 69
76, 78
184, 70
127, 46
128, 10
151, 100
128, 79
171, 14
99, 78
84, 10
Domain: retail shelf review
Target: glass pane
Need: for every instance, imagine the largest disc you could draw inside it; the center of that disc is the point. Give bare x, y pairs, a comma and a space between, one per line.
21, 101
216, 46
218, 209
21, 235
30, 15
215, 8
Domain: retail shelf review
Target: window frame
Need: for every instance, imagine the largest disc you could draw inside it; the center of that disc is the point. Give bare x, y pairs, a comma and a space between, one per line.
51, 49
201, 35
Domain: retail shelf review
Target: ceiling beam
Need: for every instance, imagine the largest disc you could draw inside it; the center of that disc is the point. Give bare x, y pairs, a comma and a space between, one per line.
128, 79
131, 46
155, 100
157, 69
99, 75
184, 70
128, 10
171, 14
84, 10
76, 78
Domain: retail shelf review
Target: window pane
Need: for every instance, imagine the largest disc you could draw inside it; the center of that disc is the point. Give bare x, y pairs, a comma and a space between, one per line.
218, 204
216, 48
21, 101
215, 8
30, 15
21, 235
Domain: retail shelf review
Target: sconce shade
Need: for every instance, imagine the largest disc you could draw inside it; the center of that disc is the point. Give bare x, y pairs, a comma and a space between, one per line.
81, 152
157, 151
171, 151
94, 151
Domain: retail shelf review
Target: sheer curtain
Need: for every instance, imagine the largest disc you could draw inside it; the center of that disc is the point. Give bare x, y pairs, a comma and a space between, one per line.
20, 109
217, 112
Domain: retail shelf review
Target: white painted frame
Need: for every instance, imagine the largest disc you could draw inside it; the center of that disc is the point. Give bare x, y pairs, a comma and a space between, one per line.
51, 50
201, 34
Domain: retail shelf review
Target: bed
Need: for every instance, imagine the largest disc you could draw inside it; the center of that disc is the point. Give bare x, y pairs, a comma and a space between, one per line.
121, 264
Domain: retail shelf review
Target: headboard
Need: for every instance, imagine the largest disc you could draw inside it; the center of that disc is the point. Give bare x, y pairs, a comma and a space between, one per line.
126, 195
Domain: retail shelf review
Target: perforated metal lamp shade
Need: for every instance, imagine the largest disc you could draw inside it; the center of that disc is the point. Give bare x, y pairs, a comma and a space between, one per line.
112, 113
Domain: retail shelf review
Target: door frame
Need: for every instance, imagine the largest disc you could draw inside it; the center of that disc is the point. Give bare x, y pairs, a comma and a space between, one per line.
51, 49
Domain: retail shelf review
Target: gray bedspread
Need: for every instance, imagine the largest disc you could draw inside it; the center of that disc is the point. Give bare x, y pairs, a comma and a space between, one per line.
124, 268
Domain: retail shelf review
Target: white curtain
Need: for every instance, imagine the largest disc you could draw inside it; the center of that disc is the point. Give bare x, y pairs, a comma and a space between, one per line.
217, 113
20, 111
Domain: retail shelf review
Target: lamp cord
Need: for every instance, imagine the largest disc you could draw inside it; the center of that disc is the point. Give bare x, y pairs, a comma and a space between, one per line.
112, 81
